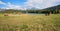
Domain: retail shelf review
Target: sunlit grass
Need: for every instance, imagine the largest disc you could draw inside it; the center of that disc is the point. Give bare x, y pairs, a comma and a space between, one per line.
30, 22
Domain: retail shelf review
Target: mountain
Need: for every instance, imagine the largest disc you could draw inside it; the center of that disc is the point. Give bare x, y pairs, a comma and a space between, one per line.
53, 8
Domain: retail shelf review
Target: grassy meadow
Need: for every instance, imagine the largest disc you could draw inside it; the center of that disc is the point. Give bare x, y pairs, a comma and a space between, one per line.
30, 22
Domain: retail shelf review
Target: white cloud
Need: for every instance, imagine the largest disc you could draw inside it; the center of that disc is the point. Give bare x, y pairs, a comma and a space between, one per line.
40, 3
11, 6
2, 2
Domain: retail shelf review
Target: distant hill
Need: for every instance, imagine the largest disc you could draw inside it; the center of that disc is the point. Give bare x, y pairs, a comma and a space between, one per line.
53, 10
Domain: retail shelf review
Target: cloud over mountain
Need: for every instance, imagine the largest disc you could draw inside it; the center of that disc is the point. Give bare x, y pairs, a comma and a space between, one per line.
40, 4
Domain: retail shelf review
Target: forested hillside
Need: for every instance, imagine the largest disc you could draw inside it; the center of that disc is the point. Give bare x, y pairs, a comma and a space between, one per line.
52, 10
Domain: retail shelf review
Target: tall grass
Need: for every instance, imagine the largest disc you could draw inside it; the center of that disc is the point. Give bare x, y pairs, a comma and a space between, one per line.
28, 22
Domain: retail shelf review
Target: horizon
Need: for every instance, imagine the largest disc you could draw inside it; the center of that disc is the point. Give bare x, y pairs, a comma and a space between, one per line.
28, 4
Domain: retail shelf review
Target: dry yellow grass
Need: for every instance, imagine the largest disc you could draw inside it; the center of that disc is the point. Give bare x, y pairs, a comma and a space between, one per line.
30, 22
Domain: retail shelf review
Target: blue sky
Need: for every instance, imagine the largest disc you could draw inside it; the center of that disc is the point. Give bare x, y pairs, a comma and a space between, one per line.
25, 4
16, 2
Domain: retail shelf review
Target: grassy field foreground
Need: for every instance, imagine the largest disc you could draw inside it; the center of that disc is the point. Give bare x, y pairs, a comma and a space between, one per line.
30, 22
